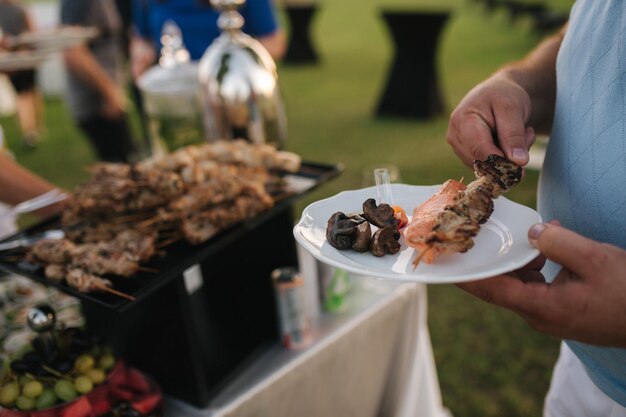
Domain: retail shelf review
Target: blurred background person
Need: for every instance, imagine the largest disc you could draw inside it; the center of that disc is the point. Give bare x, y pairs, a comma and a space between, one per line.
198, 23
96, 95
15, 20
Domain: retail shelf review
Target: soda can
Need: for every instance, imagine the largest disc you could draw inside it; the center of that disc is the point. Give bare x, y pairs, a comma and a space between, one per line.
295, 326
334, 285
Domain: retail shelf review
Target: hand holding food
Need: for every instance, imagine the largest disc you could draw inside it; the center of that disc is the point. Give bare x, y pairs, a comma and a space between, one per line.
497, 110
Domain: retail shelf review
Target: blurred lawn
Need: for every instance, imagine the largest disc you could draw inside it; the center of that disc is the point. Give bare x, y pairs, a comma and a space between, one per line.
490, 362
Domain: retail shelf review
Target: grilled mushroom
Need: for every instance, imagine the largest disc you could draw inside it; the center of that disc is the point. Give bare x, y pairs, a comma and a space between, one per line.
381, 215
363, 235
341, 231
385, 241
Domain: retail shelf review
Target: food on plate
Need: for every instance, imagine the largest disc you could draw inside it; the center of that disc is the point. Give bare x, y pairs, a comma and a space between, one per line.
385, 241
348, 232
382, 215
353, 231
425, 216
400, 215
448, 221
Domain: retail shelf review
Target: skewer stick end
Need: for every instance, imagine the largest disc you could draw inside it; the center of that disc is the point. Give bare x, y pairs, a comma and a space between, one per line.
115, 292
419, 257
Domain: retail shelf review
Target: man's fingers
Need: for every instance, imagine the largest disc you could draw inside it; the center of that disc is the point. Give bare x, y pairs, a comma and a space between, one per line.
530, 137
569, 249
471, 138
525, 296
512, 131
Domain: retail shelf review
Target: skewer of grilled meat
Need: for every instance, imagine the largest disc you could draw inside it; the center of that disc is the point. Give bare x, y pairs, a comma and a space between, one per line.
85, 282
82, 280
201, 226
458, 223
75, 277
230, 152
60, 272
97, 258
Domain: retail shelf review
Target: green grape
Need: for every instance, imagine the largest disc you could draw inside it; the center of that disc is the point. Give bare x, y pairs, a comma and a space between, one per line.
47, 399
32, 389
84, 363
64, 389
6, 367
9, 393
96, 375
83, 385
106, 361
25, 403
24, 379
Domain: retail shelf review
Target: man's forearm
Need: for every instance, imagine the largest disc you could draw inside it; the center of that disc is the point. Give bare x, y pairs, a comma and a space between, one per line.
536, 73
17, 184
276, 44
81, 62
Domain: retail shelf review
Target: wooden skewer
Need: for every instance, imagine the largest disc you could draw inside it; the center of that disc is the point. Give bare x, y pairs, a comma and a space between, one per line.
419, 257
168, 242
148, 222
115, 292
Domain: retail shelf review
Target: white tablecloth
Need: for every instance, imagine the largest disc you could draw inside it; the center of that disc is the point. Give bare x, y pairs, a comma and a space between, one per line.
373, 360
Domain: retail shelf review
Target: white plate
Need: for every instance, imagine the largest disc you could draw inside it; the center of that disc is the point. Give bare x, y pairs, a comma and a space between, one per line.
57, 39
22, 60
500, 246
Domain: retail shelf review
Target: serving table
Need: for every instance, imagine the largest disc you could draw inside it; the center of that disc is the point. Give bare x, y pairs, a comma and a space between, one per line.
201, 312
375, 359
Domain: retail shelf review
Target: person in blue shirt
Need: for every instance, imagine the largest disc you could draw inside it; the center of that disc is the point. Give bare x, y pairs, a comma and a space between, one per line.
198, 23
572, 86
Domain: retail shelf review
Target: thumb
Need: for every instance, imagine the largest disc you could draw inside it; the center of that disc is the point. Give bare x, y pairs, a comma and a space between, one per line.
513, 136
563, 246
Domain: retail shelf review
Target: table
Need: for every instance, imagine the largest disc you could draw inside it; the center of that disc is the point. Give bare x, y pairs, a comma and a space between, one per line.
300, 49
373, 360
412, 88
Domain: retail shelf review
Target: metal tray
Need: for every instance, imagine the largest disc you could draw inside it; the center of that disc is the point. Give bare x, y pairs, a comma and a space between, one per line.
180, 255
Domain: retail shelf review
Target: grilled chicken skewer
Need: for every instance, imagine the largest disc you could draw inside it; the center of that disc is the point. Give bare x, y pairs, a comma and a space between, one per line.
117, 219
466, 208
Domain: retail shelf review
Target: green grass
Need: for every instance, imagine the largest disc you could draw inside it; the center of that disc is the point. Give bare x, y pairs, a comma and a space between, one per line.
490, 363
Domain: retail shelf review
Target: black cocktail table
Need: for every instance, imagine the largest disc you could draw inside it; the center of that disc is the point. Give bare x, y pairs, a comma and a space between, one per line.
412, 88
